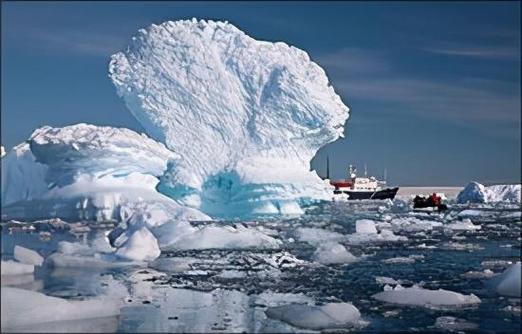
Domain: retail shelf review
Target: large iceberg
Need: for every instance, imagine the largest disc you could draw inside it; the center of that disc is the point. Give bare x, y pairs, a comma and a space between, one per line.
245, 117
86, 172
475, 192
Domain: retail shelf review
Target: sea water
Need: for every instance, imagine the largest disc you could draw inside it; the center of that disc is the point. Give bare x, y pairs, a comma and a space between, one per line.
229, 290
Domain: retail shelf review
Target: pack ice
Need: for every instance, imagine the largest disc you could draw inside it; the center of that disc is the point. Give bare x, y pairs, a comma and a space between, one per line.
245, 117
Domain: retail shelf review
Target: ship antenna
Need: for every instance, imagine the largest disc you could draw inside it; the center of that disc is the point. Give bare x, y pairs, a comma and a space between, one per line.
328, 167
385, 175
365, 170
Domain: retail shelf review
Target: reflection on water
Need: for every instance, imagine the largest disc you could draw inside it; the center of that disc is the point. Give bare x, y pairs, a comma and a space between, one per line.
230, 289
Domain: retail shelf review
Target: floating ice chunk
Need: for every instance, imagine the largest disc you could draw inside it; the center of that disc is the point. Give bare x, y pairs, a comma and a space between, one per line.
24, 281
413, 224
478, 274
283, 260
27, 256
454, 324
257, 116
386, 280
474, 192
328, 316
495, 264
271, 299
290, 208
477, 193
464, 225
16, 268
21, 308
317, 235
472, 213
365, 226
171, 232
101, 244
383, 236
141, 246
214, 236
113, 168
417, 296
400, 259
173, 264
461, 246
333, 253
59, 260
76, 248
231, 274
508, 283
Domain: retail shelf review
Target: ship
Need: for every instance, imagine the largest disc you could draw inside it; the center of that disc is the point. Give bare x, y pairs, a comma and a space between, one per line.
360, 188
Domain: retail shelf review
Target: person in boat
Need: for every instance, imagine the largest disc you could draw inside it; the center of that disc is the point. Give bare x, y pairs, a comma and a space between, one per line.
432, 200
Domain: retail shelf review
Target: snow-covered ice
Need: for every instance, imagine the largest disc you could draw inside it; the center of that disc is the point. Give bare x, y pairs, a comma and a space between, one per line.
508, 283
86, 172
333, 253
417, 296
140, 246
463, 225
328, 316
183, 236
454, 324
27, 256
475, 192
16, 268
365, 226
23, 309
254, 112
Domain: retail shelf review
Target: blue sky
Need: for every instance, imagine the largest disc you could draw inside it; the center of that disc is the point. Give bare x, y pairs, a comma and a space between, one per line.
434, 88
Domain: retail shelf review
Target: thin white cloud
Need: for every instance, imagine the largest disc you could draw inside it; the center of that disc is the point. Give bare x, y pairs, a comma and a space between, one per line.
481, 103
485, 52
80, 42
354, 61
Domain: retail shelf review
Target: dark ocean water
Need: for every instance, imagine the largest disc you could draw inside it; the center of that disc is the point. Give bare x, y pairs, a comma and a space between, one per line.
220, 289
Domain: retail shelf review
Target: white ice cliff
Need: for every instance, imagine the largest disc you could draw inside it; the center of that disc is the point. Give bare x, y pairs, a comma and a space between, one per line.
86, 172
475, 192
244, 117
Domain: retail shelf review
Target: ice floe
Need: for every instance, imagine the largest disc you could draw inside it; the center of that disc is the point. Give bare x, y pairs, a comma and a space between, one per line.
333, 253
328, 316
215, 236
27, 256
454, 324
508, 283
24, 310
464, 225
417, 296
475, 192
16, 268
141, 246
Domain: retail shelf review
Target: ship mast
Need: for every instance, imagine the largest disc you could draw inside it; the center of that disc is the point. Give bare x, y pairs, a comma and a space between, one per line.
328, 167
